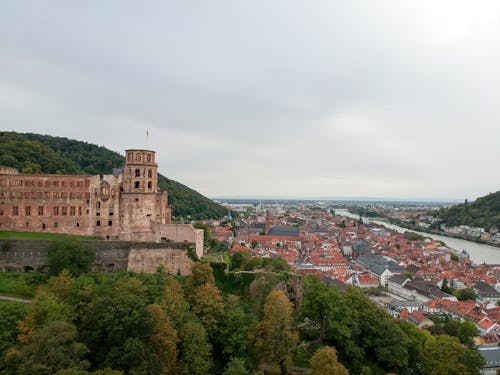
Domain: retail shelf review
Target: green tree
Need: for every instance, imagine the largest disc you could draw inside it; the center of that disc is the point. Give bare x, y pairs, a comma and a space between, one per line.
10, 315
446, 288
276, 264
466, 333
277, 338
68, 253
49, 349
376, 337
201, 274
325, 362
173, 301
236, 367
438, 351
107, 371
465, 294
416, 344
72, 371
321, 305
235, 329
195, 350
207, 304
45, 308
163, 340
115, 325
253, 263
451, 327
239, 259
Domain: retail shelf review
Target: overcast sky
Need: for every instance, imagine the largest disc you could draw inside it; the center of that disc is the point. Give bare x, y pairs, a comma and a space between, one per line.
395, 99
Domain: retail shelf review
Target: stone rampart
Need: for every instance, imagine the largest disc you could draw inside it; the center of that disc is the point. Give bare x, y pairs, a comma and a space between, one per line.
32, 255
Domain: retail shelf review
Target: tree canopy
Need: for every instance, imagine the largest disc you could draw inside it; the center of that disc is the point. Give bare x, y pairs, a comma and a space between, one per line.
484, 212
70, 254
207, 323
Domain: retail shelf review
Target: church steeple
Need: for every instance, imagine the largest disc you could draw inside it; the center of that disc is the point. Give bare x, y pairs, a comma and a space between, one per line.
268, 223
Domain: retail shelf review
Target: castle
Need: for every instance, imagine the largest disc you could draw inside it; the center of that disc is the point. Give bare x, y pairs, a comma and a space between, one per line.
125, 205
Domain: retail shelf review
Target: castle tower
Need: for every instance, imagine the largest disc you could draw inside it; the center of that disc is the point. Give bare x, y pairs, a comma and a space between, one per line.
143, 205
140, 172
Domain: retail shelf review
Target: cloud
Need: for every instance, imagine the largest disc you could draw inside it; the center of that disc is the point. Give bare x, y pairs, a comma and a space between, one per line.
282, 98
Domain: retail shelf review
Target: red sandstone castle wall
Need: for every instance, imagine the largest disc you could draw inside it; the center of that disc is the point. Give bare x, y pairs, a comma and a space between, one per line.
52, 203
125, 206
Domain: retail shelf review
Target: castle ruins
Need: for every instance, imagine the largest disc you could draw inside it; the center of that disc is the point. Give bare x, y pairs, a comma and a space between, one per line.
123, 206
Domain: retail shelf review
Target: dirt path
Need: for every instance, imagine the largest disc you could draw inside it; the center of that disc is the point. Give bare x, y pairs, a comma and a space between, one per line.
14, 299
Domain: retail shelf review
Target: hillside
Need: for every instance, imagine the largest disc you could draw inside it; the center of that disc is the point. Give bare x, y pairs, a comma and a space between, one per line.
35, 153
484, 212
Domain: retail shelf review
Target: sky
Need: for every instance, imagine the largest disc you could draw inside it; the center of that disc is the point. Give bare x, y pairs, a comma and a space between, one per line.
268, 98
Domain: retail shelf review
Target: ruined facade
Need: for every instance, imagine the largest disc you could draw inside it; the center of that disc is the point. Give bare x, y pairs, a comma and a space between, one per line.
125, 205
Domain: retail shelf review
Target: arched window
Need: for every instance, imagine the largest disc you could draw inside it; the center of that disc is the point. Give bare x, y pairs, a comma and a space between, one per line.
137, 172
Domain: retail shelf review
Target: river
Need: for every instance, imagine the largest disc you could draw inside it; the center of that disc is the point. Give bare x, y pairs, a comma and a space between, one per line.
479, 253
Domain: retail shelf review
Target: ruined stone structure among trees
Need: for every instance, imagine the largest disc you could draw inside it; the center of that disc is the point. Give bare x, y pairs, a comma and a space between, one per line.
124, 205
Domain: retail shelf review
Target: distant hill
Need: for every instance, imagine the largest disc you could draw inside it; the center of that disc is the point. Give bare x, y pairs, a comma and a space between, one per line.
35, 153
483, 212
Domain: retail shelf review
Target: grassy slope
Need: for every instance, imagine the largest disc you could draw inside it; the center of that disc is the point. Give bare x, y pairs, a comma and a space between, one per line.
18, 284
6, 235
35, 153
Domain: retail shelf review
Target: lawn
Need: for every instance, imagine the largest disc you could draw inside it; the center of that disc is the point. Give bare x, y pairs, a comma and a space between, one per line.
7, 235
18, 284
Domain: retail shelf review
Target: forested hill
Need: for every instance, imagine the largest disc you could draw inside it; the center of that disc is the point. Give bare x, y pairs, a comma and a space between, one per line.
35, 153
484, 212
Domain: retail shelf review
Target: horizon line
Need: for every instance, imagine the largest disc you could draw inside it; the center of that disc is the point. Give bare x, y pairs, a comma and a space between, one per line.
354, 199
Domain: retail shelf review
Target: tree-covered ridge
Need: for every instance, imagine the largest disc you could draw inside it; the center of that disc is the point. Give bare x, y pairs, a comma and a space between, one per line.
484, 212
35, 153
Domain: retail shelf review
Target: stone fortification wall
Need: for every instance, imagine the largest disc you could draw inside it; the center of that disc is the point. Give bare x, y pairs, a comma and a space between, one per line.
180, 233
32, 255
176, 262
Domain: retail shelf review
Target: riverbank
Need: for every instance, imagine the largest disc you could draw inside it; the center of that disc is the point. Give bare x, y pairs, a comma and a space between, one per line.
437, 232
479, 253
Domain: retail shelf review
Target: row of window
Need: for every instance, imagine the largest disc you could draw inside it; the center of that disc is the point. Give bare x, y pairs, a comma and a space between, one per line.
138, 157
138, 173
44, 226
98, 223
45, 195
47, 183
137, 184
63, 211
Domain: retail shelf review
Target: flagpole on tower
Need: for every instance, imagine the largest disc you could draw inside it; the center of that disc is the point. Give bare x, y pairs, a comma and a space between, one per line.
147, 139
